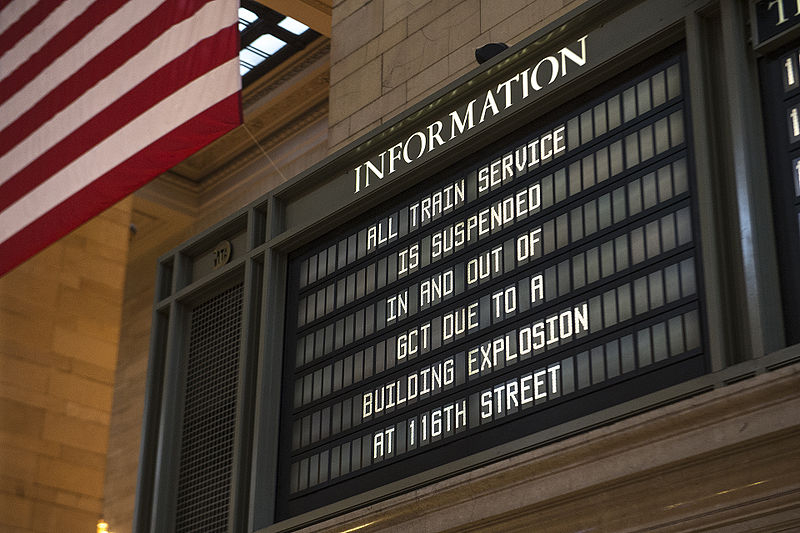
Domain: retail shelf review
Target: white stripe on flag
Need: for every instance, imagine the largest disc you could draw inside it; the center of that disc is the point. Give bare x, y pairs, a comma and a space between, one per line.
158, 121
54, 22
209, 20
11, 12
70, 61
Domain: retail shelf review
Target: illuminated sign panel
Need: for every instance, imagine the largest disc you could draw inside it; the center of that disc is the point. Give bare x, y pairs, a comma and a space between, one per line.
774, 18
551, 275
514, 90
780, 84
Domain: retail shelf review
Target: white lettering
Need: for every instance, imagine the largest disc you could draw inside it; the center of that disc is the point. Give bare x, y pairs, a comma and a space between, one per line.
459, 321
434, 289
537, 288
462, 120
383, 443
397, 306
437, 136
394, 155
422, 140
553, 72
505, 302
527, 245
506, 88
412, 341
519, 392
489, 104
461, 125
407, 259
579, 60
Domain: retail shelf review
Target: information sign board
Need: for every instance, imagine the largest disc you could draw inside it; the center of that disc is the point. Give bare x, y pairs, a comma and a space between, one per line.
551, 275
774, 20
780, 85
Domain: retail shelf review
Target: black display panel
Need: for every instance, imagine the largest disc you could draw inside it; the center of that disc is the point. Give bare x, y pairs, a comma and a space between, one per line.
551, 275
774, 17
780, 86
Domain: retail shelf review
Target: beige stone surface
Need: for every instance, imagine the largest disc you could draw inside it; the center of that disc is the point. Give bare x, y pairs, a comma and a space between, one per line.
424, 46
356, 29
357, 90
59, 321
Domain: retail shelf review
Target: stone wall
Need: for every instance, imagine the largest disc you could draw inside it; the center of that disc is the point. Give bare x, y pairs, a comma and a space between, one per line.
59, 325
387, 55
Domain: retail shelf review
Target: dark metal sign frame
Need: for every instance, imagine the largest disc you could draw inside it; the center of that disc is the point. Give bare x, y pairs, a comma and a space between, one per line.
310, 373
775, 22
781, 102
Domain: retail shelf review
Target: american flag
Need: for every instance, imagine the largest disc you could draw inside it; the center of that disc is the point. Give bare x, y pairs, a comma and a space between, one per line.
98, 97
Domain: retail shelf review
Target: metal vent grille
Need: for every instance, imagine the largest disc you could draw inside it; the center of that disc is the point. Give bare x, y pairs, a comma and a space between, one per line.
209, 420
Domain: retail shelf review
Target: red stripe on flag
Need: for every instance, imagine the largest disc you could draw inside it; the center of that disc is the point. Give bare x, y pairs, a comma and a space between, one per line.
203, 57
26, 24
66, 38
103, 64
119, 182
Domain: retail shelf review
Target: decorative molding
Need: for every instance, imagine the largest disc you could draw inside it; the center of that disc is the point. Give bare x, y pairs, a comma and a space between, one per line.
183, 194
315, 51
173, 191
267, 142
314, 13
271, 104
